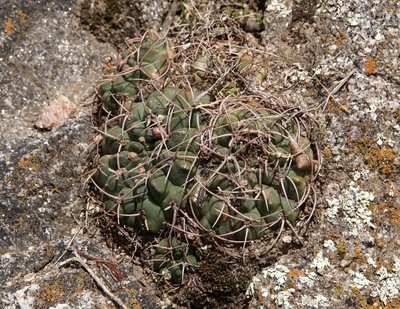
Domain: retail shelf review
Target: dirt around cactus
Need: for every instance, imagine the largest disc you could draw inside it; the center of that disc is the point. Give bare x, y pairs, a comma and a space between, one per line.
115, 21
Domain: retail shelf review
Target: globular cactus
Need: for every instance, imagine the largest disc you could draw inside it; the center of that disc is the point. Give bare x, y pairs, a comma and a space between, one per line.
173, 159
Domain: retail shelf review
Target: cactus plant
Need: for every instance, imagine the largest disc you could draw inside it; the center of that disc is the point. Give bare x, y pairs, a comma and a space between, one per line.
173, 159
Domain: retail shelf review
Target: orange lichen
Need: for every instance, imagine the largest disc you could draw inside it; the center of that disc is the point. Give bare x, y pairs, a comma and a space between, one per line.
382, 159
395, 217
31, 161
393, 304
359, 253
342, 38
8, 27
384, 154
135, 304
370, 66
295, 273
397, 114
327, 153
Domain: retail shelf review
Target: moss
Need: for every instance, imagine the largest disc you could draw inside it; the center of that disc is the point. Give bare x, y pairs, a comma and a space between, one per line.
50, 293
380, 242
334, 107
327, 153
341, 248
339, 289
360, 299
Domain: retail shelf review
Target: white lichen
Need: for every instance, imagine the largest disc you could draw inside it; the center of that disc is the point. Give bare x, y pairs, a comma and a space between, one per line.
277, 272
360, 281
383, 273
319, 301
23, 298
282, 298
371, 261
60, 306
352, 205
388, 286
280, 7
308, 280
320, 263
330, 245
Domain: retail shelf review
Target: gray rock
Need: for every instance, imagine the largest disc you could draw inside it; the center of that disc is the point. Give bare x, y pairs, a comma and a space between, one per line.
42, 199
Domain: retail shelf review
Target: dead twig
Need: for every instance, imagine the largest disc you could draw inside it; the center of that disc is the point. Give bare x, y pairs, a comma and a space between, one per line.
170, 16
335, 89
98, 281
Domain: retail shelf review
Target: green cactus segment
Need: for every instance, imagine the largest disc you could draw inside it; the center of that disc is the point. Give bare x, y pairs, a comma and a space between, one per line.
184, 113
295, 186
114, 140
163, 192
290, 210
173, 258
112, 93
249, 226
186, 139
214, 213
160, 142
120, 85
158, 101
154, 216
224, 128
153, 57
183, 169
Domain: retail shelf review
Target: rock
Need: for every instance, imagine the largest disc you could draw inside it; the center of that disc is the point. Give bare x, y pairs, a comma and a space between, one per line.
59, 110
42, 199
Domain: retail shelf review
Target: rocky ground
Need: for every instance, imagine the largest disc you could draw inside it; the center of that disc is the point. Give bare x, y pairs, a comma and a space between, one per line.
338, 59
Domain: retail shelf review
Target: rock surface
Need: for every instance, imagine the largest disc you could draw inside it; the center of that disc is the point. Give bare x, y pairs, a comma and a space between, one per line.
44, 55
351, 255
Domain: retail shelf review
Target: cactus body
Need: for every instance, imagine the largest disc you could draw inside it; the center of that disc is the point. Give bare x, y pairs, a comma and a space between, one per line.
175, 160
